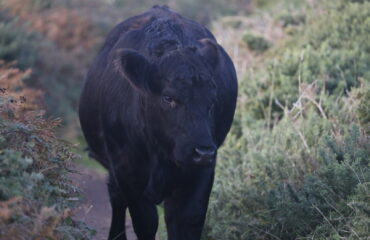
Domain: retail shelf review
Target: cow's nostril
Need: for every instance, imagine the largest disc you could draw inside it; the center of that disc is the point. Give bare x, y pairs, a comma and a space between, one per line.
205, 152
204, 155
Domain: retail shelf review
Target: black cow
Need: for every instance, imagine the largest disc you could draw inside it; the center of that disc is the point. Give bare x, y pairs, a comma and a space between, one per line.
158, 102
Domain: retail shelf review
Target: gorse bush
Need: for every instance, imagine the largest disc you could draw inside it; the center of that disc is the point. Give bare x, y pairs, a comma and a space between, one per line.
36, 196
296, 164
256, 43
307, 177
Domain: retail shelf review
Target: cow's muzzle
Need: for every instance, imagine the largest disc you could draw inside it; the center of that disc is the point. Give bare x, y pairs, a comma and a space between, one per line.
204, 155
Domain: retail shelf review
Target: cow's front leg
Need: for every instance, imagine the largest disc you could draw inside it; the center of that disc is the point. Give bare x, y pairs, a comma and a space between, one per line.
119, 205
186, 208
144, 218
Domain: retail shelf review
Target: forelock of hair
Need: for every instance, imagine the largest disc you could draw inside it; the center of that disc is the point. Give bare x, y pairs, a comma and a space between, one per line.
175, 60
184, 63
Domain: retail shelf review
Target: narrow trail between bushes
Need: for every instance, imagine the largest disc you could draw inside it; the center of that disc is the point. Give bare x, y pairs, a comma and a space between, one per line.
96, 211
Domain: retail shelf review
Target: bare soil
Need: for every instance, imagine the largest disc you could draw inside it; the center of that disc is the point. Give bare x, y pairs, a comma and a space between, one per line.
96, 211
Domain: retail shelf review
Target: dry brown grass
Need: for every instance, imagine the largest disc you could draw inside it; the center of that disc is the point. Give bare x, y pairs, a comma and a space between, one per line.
231, 37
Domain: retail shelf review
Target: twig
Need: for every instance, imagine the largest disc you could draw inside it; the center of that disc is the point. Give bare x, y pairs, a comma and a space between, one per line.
326, 219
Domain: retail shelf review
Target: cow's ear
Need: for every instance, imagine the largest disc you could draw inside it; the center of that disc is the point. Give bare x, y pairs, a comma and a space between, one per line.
210, 51
136, 69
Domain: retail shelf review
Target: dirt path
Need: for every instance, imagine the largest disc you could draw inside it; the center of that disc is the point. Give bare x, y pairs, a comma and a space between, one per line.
96, 212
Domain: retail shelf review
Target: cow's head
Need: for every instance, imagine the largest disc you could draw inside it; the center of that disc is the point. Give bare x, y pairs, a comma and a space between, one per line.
179, 95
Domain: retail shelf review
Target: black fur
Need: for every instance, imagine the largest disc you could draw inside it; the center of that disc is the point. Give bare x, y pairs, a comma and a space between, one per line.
158, 101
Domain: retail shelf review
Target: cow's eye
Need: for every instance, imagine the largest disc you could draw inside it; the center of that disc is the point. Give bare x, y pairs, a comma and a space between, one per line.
169, 100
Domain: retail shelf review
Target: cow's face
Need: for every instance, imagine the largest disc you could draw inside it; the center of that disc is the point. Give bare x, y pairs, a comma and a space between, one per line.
180, 95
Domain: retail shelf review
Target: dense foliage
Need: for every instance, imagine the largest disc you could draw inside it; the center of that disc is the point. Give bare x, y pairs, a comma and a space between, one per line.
36, 196
296, 164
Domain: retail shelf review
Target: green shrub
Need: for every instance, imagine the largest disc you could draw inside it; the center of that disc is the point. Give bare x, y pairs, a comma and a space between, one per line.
16, 44
256, 43
291, 19
266, 4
